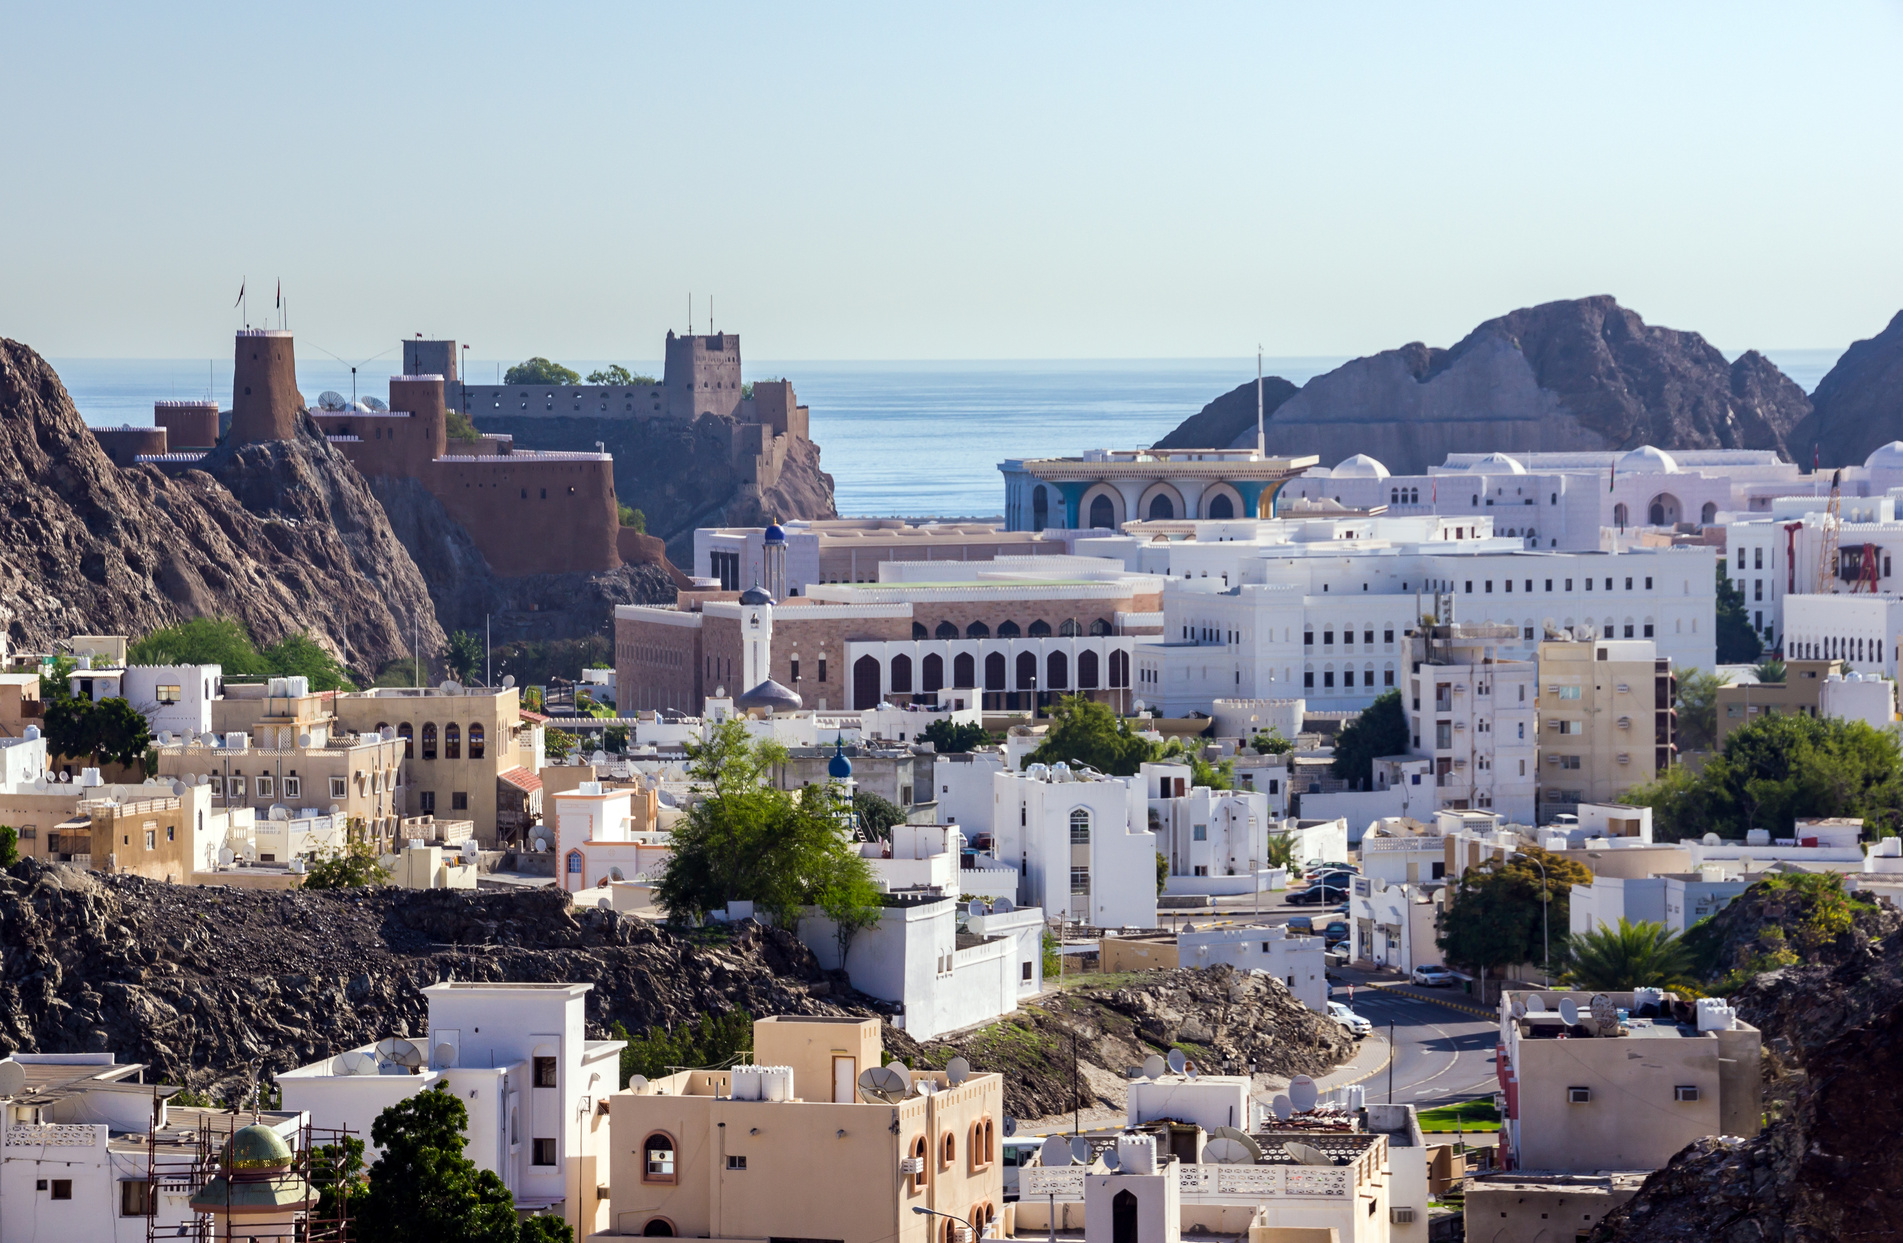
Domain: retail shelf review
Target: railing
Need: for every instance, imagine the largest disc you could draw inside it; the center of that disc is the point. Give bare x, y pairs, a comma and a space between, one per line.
56, 1135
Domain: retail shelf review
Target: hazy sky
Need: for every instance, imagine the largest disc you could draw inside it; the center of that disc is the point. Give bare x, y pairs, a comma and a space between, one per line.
958, 181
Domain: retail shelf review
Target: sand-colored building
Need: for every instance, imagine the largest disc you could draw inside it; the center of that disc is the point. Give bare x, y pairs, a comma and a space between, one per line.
791, 1148
136, 830
300, 766
1606, 720
457, 744
20, 704
1806, 690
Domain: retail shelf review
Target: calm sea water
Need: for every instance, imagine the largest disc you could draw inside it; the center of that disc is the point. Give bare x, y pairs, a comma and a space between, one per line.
908, 438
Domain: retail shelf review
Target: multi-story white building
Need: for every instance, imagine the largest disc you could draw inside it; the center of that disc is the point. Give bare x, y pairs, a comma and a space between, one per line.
1215, 840
174, 698
1081, 843
1864, 631
1770, 558
1476, 715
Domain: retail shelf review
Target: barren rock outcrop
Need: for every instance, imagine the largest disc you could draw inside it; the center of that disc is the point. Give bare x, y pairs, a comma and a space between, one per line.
1859, 404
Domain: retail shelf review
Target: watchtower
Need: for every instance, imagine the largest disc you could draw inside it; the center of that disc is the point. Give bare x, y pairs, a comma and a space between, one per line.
427, 435
264, 396
702, 375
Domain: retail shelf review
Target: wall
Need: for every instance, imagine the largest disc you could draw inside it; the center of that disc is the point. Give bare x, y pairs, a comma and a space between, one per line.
264, 397
187, 424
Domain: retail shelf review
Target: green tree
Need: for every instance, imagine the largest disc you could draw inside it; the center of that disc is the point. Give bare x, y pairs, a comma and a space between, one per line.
1280, 852
546, 1228
1770, 669
709, 1042
422, 1189
1380, 730
559, 743
614, 739
1698, 708
633, 519
1051, 957
1271, 742
9, 846
616, 376
540, 370
337, 1171
1738, 642
459, 426
356, 868
53, 684
844, 892
1641, 955
1220, 776
221, 641
404, 671
1162, 872
1496, 917
463, 655
1089, 733
299, 655
876, 814
68, 726
949, 737
120, 731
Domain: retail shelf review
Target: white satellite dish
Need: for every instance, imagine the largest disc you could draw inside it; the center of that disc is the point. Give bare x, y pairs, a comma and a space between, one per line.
924, 1087
615, 874
883, 1085
1284, 1108
1010, 1126
1519, 1009
1536, 1004
975, 908
1226, 1152
12, 1077
445, 1054
1306, 1154
1003, 906
1153, 1067
401, 1051
1568, 1012
1710, 839
899, 1068
330, 399
1111, 1161
375, 403
226, 855
178, 789
637, 1082
957, 1071
304, 740
357, 1062
508, 681
165, 738
1191, 1072
1302, 1093
1235, 1136
1177, 1061
1080, 1149
1055, 1151
447, 686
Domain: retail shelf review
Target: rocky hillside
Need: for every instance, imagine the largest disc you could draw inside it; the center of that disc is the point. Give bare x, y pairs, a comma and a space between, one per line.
682, 475
204, 983
1826, 1171
1581, 374
1859, 405
284, 537
1230, 419
1221, 1018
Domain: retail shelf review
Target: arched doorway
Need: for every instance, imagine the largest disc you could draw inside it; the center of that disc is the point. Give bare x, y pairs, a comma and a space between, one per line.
865, 683
658, 1228
1123, 1217
1663, 511
1056, 672
994, 671
1103, 514
1161, 510
933, 674
901, 674
1119, 669
1220, 506
1027, 671
1086, 671
964, 670
1619, 515
1040, 508
1709, 514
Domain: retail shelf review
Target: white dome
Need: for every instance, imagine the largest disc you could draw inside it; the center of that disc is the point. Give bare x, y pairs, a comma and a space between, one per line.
1360, 466
1494, 463
1646, 460
1886, 457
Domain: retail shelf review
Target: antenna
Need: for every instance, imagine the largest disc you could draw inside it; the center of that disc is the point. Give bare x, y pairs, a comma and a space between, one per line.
1302, 1093
1056, 1151
957, 1071
1261, 442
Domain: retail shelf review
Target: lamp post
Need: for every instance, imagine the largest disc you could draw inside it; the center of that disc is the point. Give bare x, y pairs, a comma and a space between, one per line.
1546, 923
976, 1231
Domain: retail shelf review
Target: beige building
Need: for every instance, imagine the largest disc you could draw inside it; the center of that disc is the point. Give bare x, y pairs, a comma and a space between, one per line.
457, 745
1473, 712
790, 1149
1517, 1206
1606, 720
136, 830
20, 704
1799, 694
1586, 1096
300, 765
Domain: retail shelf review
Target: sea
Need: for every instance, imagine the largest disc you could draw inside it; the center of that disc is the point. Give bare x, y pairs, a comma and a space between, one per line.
910, 439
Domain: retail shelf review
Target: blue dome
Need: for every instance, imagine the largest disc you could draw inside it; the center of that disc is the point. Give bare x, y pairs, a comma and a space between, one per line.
839, 768
774, 535
754, 596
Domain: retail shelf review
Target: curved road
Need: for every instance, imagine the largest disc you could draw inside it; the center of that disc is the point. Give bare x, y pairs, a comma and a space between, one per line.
1440, 1054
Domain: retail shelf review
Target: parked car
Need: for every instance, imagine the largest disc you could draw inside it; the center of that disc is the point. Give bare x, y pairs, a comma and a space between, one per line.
1301, 926
1433, 976
1335, 956
1356, 1025
1328, 865
1315, 895
1336, 931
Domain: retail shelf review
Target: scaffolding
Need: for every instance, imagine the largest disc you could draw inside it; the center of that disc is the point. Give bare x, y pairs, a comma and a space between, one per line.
182, 1161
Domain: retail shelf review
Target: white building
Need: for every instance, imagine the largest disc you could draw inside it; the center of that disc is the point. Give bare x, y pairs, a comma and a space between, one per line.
1403, 851
519, 1059
1393, 925
1862, 630
1296, 961
596, 841
1081, 844
1475, 715
1866, 697
174, 698
1675, 899
1215, 840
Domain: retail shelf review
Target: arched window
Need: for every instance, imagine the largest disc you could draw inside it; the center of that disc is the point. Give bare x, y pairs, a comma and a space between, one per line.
1027, 671
475, 740
1160, 509
1080, 827
658, 1161
429, 740
932, 673
1100, 628
409, 742
1039, 629
964, 670
1069, 628
945, 630
1619, 514
1119, 669
901, 675
977, 630
994, 671
924, 1166
1040, 508
919, 631
865, 683
1221, 506
1086, 671
658, 1228
948, 1149
1103, 513
452, 741
1056, 672
381, 725
1709, 514
1008, 630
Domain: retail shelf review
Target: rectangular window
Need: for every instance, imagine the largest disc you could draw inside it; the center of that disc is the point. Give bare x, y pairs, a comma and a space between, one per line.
1569, 762
293, 788
544, 1072
545, 1152
1308, 638
1443, 735
1387, 677
1470, 586
1569, 584
1685, 1092
1387, 636
1024, 971
735, 1162
265, 786
1328, 677
1200, 833
1757, 558
459, 801
1569, 692
168, 695
1648, 582
337, 789
426, 802
822, 668
1328, 638
1308, 679
151, 838
234, 786
1080, 880
1489, 586
62, 1189
1628, 584
795, 666
136, 1198
1648, 630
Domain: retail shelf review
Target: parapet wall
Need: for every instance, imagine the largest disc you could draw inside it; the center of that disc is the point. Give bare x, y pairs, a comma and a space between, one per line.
123, 444
187, 424
533, 513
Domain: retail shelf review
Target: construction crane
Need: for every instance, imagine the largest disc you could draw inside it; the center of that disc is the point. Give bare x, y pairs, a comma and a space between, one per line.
1827, 553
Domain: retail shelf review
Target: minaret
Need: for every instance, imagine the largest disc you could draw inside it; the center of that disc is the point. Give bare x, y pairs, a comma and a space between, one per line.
264, 397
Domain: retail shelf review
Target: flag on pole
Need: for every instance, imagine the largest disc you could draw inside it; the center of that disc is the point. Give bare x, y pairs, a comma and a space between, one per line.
240, 298
280, 293
1612, 480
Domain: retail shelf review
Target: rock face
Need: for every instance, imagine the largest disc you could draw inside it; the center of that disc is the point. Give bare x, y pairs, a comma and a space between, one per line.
466, 591
1230, 419
202, 982
1583, 374
683, 475
1235, 1018
1859, 405
284, 537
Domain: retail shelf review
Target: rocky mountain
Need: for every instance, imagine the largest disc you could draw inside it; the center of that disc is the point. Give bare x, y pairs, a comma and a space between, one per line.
1580, 374
284, 537
1230, 419
683, 475
1859, 404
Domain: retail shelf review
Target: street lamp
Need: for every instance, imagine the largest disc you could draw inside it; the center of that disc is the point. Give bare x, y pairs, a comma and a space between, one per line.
977, 1232
1546, 922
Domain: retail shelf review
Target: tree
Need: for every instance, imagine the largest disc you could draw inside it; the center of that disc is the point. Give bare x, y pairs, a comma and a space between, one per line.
356, 868
560, 744
1738, 642
403, 671
1641, 955
299, 655
614, 739
1770, 669
337, 1171
1089, 733
9, 846
540, 370
711, 1042
53, 684
1280, 851
876, 814
1698, 708
221, 641
949, 737
1220, 776
463, 655
633, 519
845, 894
1497, 918
1271, 742
458, 426
1162, 872
546, 1228
120, 732
616, 376
1380, 730
422, 1189
67, 724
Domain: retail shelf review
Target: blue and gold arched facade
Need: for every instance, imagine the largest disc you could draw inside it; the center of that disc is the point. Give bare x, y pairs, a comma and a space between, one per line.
1105, 489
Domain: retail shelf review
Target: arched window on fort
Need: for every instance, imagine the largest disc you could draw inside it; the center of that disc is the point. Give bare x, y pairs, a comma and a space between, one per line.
1056, 672
429, 740
918, 630
1080, 827
475, 740
1039, 629
658, 1151
1103, 514
945, 630
1086, 671
977, 630
1040, 508
452, 741
1100, 627
1069, 628
1027, 671
409, 744
994, 671
932, 671
1008, 630
1119, 669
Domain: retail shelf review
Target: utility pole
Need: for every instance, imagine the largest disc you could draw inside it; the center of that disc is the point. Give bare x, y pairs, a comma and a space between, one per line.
1390, 1061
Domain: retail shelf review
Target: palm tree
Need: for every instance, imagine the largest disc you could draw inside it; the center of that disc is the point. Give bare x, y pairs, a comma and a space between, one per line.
1641, 955
1771, 669
1281, 851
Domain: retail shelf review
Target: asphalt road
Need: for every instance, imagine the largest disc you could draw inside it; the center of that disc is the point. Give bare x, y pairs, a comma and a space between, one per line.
1440, 1054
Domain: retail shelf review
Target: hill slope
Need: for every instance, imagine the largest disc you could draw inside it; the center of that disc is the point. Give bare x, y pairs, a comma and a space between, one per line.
1230, 419
1859, 404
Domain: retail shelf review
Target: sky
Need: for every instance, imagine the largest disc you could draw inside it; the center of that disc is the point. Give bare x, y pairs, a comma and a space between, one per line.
943, 182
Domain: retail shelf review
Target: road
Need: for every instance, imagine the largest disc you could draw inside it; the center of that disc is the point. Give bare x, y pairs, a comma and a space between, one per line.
1440, 1054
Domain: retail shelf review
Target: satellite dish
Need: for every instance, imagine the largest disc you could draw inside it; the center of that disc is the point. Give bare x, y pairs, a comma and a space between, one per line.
1519, 1009
1080, 1149
975, 908
615, 874
12, 1077
1010, 1126
1153, 1067
925, 1087
357, 1062
165, 738
1177, 1061
599, 757
1056, 1151
1536, 1004
447, 686
1283, 1107
1605, 1014
957, 1071
1568, 1012
1710, 839
1302, 1093
1306, 1154
445, 1053
226, 855
1003, 906
1191, 1072
1236, 1136
883, 1085
1226, 1152
1111, 1161
401, 1051
899, 1068
304, 740
330, 399
637, 1082
508, 681
178, 789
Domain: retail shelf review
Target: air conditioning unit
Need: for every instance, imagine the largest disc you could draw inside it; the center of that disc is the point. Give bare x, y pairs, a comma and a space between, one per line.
1578, 1096
1685, 1092
911, 1167
1401, 1216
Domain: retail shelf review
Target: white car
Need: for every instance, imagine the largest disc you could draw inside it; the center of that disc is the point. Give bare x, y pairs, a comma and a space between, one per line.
1356, 1025
1433, 977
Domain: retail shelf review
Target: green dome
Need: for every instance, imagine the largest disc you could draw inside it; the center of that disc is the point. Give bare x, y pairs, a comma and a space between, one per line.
258, 1147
